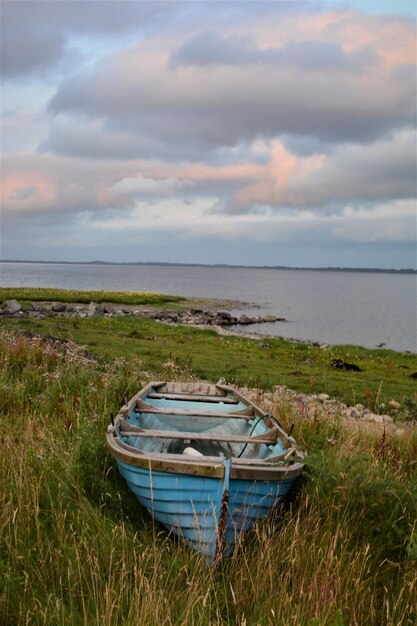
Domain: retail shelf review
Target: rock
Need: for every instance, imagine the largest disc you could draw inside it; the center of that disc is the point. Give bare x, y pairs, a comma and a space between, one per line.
394, 404
270, 318
323, 397
414, 375
94, 310
264, 345
36, 315
377, 419
11, 307
58, 307
244, 319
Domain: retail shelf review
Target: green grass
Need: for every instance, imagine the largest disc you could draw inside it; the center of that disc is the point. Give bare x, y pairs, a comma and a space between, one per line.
76, 547
166, 349
35, 294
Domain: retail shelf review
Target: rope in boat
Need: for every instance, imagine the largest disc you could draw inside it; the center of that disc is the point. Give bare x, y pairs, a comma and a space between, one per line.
273, 419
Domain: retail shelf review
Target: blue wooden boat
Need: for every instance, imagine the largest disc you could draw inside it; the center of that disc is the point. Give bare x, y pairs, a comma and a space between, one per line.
204, 460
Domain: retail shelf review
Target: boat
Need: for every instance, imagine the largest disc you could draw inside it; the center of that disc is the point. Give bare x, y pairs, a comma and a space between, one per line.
204, 460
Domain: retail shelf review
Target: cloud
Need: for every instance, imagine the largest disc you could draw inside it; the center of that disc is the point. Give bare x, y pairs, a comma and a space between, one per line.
278, 181
189, 109
354, 173
213, 48
384, 223
204, 123
36, 35
139, 186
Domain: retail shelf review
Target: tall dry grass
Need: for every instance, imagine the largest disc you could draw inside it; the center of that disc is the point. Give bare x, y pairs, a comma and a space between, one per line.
76, 548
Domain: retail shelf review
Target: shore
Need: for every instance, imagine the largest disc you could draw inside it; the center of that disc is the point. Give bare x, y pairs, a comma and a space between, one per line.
77, 547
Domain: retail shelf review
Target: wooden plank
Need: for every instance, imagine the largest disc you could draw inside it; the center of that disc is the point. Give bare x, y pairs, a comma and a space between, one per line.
160, 463
169, 434
192, 388
212, 466
286, 456
192, 398
252, 462
278, 473
144, 407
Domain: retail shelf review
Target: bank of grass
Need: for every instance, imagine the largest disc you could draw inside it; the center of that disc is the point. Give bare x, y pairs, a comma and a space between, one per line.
303, 367
76, 547
41, 294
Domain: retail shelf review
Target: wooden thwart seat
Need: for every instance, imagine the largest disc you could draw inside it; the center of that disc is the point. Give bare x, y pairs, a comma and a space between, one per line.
143, 407
192, 397
128, 430
190, 388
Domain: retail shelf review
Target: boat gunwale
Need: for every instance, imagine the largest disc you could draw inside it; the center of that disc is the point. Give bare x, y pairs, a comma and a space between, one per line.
246, 469
250, 469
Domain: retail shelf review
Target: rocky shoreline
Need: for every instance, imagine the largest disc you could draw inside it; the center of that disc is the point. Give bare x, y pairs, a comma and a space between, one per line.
192, 317
316, 406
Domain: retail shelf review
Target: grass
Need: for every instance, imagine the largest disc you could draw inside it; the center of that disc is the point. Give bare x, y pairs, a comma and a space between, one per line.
38, 294
77, 548
164, 348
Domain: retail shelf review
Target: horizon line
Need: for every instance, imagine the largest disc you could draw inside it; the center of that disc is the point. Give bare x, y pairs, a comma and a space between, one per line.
408, 270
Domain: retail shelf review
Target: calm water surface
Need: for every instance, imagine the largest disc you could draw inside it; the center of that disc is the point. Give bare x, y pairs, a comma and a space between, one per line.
332, 307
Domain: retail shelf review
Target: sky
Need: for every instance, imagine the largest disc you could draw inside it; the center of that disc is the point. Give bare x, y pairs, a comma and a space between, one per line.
248, 133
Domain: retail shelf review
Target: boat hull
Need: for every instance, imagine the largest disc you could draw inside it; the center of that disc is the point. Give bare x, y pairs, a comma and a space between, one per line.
189, 506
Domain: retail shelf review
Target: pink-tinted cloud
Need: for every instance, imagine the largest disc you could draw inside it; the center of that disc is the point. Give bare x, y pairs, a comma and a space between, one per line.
244, 120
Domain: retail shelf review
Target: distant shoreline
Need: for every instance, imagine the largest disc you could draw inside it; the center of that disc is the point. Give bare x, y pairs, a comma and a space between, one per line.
374, 270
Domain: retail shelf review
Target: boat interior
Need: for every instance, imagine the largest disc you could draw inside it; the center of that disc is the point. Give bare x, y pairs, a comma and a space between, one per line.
207, 420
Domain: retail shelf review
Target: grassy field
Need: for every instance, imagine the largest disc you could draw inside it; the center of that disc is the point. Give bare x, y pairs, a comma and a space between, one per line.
40, 294
163, 348
76, 547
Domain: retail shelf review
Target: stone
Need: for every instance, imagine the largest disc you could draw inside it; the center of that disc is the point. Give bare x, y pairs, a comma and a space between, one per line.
36, 315
270, 318
58, 307
394, 404
244, 319
323, 397
94, 310
11, 307
378, 419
